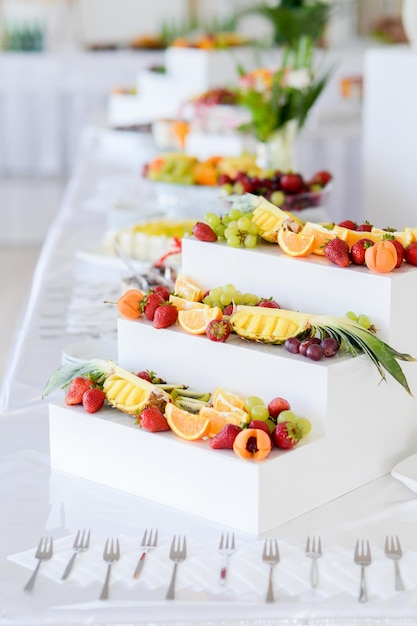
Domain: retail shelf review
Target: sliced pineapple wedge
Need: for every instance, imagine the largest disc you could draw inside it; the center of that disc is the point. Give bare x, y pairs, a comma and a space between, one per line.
270, 218
274, 326
124, 390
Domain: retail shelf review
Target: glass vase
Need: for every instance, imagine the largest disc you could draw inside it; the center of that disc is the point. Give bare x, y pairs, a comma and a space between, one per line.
278, 153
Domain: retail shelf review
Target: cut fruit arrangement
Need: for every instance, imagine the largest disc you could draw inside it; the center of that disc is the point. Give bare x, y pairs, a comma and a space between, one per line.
252, 218
226, 420
238, 175
222, 311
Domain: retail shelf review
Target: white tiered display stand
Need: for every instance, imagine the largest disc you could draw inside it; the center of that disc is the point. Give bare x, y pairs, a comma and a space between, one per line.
390, 136
361, 426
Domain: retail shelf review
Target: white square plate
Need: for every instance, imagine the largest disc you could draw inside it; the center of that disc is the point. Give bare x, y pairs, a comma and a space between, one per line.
406, 472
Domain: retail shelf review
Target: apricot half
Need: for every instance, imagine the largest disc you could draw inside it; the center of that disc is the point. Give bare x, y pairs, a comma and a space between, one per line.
252, 443
129, 304
381, 257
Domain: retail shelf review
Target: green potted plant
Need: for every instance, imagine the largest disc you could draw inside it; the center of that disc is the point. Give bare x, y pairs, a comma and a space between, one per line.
291, 19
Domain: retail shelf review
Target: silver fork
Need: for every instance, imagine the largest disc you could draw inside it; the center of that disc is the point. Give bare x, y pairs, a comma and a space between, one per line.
363, 558
226, 549
177, 554
270, 555
149, 542
44, 552
81, 543
314, 552
393, 551
111, 554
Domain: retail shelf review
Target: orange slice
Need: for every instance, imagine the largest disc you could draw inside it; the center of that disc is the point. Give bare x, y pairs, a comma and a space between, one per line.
218, 419
405, 236
183, 304
295, 244
223, 400
195, 321
186, 425
188, 289
352, 236
321, 236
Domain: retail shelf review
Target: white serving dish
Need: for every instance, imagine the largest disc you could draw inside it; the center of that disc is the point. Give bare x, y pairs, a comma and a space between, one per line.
187, 201
406, 472
90, 349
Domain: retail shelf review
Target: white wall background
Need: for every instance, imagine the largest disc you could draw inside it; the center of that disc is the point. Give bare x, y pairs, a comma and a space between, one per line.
119, 21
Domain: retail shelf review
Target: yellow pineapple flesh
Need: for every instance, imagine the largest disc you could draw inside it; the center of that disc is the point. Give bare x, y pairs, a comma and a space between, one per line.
268, 325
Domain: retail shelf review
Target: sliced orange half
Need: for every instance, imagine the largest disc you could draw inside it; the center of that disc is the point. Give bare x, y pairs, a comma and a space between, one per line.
195, 321
182, 303
218, 419
321, 236
188, 289
295, 244
186, 425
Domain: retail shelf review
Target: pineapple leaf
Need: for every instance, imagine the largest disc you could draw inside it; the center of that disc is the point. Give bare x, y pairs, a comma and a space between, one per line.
95, 369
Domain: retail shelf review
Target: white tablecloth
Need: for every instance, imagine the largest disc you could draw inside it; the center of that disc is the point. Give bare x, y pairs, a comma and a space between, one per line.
38, 501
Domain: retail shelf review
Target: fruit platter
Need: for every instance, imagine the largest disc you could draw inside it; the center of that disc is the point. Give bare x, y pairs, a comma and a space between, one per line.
184, 179
192, 381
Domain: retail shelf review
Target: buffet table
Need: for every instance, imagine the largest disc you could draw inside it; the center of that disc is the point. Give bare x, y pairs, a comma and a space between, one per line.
65, 315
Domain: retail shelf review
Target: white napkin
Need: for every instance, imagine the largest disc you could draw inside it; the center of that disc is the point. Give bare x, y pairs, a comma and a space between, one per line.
246, 571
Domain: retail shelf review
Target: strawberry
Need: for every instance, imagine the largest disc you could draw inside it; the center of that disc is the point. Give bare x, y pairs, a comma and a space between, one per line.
399, 248
218, 330
150, 303
76, 389
357, 251
204, 232
410, 253
163, 292
228, 310
286, 435
165, 315
321, 178
151, 377
268, 303
93, 399
225, 438
365, 227
348, 224
153, 420
337, 251
292, 183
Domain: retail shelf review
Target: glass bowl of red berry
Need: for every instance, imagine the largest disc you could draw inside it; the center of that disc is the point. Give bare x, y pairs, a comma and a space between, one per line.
291, 191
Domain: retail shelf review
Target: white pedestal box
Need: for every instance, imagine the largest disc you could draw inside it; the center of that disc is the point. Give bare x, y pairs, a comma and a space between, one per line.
310, 285
348, 446
203, 69
390, 136
361, 426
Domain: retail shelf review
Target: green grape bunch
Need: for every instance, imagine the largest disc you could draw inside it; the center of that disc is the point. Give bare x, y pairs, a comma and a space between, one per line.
235, 227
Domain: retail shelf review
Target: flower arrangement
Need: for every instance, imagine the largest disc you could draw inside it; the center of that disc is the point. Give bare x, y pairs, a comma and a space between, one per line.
279, 102
276, 97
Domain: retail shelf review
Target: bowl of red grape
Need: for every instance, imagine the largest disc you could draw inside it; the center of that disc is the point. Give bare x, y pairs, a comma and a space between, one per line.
291, 191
